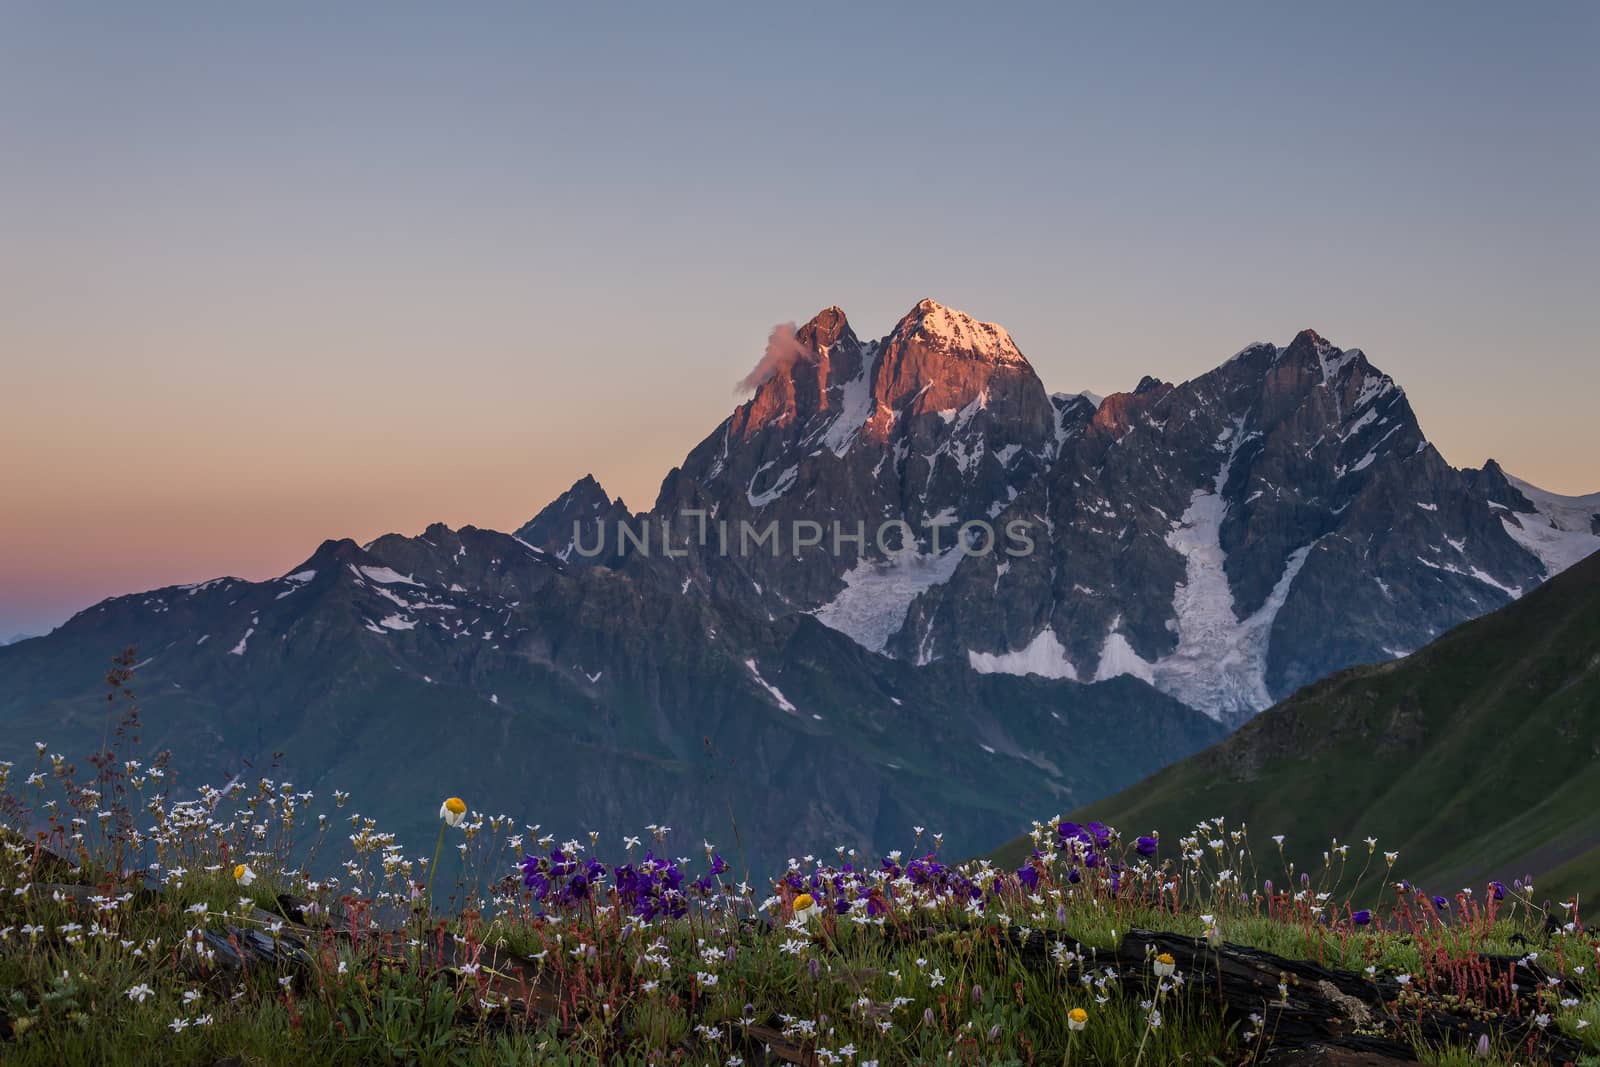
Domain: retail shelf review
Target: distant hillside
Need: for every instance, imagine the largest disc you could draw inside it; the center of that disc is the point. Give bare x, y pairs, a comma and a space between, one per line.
1477, 757
465, 663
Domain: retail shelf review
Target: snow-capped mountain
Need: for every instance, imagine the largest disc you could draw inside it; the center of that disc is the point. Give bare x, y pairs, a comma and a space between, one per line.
1560, 530
1162, 563
1226, 539
938, 422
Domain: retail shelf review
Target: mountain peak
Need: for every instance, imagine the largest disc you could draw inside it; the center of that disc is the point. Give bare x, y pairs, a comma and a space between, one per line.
826, 329
1319, 360
939, 360
585, 502
331, 553
587, 485
949, 330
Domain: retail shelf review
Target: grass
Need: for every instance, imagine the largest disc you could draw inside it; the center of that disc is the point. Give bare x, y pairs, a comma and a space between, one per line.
260, 924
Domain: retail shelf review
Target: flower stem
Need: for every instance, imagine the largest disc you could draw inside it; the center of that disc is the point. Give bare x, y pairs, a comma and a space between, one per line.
427, 897
1149, 1021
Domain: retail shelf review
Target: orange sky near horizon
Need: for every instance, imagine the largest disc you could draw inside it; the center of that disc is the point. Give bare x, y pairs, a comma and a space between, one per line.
133, 480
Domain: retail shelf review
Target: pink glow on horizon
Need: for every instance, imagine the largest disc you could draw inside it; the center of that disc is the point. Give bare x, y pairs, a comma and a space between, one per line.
102, 503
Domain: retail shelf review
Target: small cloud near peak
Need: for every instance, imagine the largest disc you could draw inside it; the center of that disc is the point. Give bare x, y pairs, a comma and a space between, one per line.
783, 351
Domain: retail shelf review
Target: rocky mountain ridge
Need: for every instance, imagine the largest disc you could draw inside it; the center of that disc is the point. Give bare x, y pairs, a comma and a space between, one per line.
1195, 549
1226, 539
467, 662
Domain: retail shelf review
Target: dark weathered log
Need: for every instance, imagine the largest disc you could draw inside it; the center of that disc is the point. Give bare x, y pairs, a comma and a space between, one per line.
1303, 1005
763, 1046
1330, 1056
239, 948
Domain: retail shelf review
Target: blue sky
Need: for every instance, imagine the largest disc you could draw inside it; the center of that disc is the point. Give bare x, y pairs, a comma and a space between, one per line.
293, 272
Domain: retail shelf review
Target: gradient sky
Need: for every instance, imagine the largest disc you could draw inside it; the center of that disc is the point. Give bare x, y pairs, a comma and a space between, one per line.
277, 274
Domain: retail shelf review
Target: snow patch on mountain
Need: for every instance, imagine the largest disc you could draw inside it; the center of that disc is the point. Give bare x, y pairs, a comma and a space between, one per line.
772, 690
200, 587
957, 331
1560, 530
1044, 656
855, 406
783, 484
1476, 573
1335, 360
1219, 666
878, 593
387, 576
1367, 418
1117, 656
1372, 387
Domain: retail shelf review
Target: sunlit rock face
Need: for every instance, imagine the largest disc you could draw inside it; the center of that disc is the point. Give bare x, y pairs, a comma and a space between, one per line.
1226, 539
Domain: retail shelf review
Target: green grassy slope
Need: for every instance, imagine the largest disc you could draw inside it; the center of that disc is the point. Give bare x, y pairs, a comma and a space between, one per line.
1476, 757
